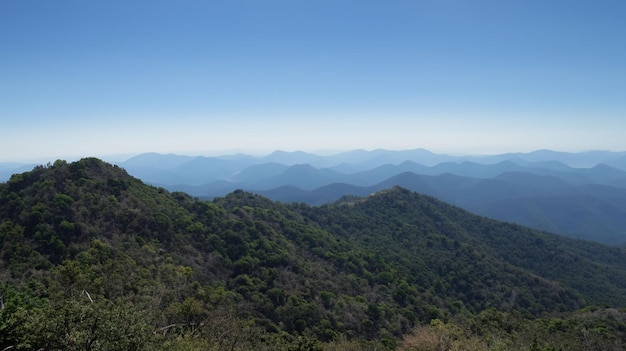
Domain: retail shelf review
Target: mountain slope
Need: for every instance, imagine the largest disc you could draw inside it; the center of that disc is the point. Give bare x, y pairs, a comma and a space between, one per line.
545, 202
86, 235
411, 220
590, 217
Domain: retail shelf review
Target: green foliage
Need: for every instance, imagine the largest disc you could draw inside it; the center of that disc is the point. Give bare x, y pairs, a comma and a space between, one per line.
94, 259
495, 330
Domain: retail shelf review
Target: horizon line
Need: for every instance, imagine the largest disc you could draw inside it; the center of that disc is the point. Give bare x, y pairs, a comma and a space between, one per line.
113, 158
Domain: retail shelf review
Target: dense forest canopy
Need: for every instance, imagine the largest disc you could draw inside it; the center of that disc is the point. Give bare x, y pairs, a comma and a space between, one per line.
94, 259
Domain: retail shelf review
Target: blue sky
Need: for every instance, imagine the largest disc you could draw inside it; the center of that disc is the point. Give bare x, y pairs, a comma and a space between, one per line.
99, 78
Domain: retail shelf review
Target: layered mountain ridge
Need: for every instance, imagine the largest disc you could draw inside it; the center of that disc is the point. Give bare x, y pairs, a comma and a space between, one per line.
576, 194
368, 267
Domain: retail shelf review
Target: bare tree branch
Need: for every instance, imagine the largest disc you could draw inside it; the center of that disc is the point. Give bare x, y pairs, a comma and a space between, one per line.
166, 328
89, 296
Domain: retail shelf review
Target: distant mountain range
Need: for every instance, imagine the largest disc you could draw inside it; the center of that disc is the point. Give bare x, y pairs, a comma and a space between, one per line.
581, 195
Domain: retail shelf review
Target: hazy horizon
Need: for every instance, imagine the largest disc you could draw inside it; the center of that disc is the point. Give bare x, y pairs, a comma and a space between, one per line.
115, 158
85, 79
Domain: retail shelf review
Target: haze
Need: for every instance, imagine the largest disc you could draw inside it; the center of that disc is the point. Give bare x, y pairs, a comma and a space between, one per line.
86, 78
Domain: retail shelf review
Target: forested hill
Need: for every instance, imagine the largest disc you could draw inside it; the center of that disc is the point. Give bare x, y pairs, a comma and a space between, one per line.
90, 255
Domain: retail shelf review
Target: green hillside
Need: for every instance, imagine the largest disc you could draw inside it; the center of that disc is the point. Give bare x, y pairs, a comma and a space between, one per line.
93, 259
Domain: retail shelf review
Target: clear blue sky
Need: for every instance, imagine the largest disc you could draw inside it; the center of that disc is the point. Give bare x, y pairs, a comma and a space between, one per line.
95, 78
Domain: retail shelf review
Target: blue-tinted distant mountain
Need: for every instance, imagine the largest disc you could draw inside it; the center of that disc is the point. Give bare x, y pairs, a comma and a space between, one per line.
356, 160
290, 194
577, 160
209, 190
156, 168
599, 174
603, 174
320, 196
175, 169
621, 183
552, 165
361, 160
535, 184
272, 176
302, 176
619, 163
421, 156
155, 160
323, 195
592, 212
205, 169
296, 157
470, 192
591, 217
256, 173
380, 173
452, 188
477, 170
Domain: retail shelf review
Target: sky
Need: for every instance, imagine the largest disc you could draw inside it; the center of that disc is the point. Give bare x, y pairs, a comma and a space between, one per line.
115, 78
